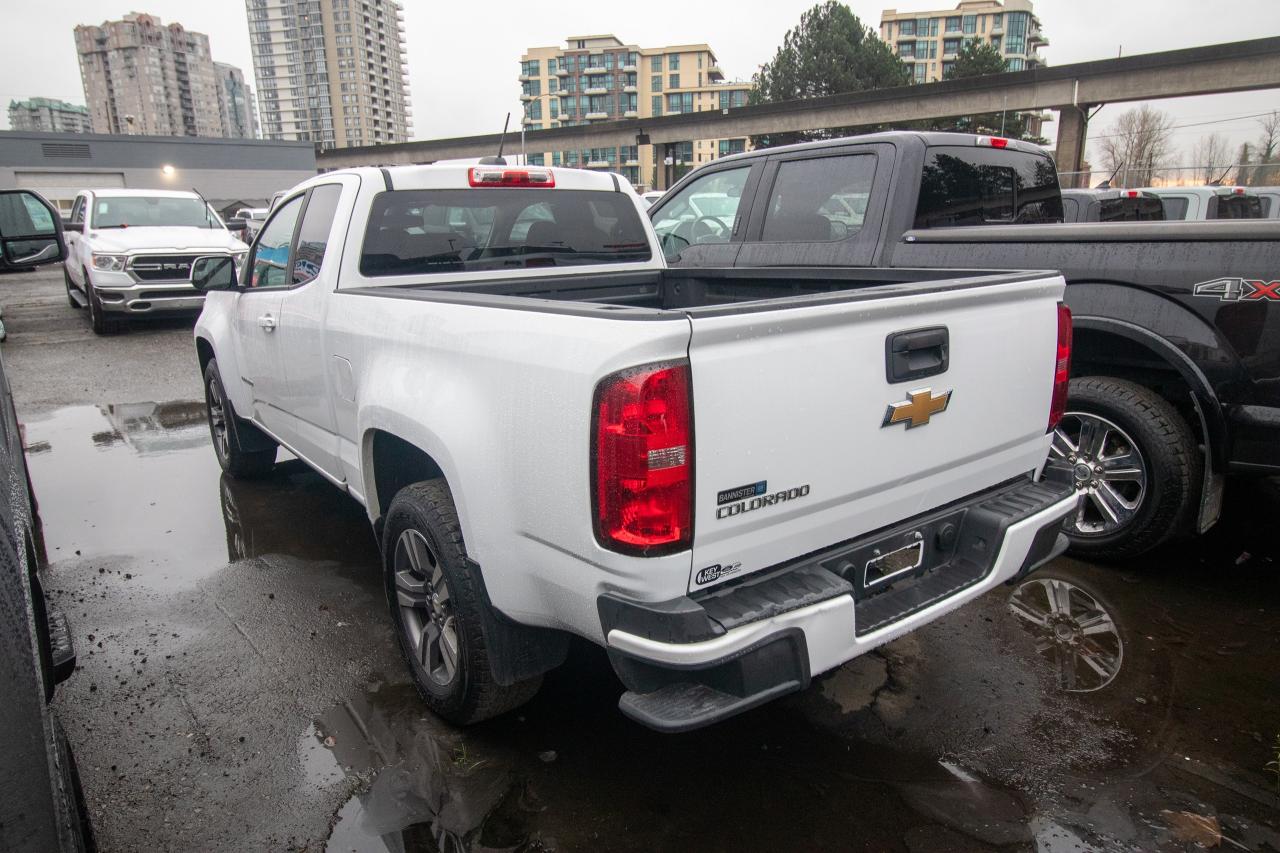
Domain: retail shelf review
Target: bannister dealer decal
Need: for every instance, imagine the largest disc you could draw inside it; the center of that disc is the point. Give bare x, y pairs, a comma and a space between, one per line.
1240, 289
761, 500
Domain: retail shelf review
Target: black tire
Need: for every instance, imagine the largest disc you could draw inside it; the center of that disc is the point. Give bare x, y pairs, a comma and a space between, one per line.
233, 436
97, 314
469, 694
1168, 455
66, 279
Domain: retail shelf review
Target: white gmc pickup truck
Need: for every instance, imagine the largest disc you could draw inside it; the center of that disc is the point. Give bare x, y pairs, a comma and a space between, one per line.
732, 479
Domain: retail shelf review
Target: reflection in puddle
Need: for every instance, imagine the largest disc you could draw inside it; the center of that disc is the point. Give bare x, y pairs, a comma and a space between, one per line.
431, 789
1072, 629
141, 480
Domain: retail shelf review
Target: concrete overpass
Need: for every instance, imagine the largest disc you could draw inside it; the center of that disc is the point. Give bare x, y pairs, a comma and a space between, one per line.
1072, 90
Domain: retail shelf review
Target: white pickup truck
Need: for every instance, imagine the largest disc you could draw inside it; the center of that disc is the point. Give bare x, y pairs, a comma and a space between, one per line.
129, 252
732, 479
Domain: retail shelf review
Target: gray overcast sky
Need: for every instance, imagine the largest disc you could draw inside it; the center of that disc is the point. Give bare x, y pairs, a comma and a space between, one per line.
463, 57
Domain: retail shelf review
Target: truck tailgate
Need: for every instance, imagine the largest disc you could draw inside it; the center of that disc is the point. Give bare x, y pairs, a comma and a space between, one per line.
792, 449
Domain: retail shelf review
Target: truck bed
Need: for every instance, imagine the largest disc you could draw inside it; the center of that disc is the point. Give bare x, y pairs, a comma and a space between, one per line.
702, 291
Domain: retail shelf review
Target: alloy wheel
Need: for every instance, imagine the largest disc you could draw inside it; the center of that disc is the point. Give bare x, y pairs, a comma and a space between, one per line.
427, 615
218, 418
1106, 467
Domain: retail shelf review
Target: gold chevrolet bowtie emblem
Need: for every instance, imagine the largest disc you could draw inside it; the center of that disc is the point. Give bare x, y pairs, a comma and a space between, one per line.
917, 410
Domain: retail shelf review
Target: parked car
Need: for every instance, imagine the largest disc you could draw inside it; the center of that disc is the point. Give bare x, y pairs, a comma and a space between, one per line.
1176, 358
252, 217
42, 807
1099, 205
129, 252
516, 406
1208, 202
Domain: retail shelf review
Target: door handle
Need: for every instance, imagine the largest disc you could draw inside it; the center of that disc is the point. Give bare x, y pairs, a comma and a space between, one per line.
917, 353
267, 322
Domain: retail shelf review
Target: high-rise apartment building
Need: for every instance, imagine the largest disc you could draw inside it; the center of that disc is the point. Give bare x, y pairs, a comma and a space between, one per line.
598, 78
143, 76
236, 108
929, 41
49, 114
331, 71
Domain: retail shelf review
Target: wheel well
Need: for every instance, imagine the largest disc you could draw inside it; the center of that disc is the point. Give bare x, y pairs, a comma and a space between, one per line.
1095, 352
204, 350
396, 464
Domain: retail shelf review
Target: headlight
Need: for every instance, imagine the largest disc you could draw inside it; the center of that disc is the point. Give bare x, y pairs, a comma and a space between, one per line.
110, 263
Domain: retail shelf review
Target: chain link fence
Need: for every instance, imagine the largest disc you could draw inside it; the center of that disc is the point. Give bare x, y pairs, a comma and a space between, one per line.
1238, 174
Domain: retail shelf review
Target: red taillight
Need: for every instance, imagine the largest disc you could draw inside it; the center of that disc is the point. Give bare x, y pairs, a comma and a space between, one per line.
1061, 367
642, 447
500, 176
1131, 194
993, 141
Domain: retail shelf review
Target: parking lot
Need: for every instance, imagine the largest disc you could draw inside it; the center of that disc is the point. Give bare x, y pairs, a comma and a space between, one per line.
239, 686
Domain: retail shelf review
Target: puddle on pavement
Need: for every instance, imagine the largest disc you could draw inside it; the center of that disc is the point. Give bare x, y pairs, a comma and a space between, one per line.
141, 481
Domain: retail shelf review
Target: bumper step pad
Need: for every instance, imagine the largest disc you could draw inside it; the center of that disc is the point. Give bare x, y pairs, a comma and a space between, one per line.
685, 706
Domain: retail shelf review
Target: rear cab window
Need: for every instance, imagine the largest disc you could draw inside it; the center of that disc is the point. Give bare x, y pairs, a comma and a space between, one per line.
1237, 207
1145, 209
985, 186
412, 232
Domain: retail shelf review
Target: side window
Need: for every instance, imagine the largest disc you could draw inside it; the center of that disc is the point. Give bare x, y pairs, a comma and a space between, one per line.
77, 210
819, 200
1175, 206
703, 212
313, 236
270, 264
1070, 210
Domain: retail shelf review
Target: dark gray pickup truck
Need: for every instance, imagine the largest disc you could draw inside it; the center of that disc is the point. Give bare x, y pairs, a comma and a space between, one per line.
1176, 360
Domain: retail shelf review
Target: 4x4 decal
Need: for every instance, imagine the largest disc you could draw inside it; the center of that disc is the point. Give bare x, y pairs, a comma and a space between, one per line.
1239, 289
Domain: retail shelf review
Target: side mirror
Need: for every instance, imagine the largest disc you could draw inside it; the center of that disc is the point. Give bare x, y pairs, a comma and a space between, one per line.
30, 230
216, 272
237, 225
77, 227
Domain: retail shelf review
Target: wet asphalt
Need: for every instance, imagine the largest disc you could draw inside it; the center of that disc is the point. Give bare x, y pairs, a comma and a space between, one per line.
239, 687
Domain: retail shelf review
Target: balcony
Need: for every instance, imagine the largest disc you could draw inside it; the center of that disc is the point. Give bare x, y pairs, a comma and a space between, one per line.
563, 117
631, 67
632, 162
714, 72
1037, 40
630, 90
596, 70
526, 97
599, 164
525, 78
631, 114
595, 90
596, 116
562, 71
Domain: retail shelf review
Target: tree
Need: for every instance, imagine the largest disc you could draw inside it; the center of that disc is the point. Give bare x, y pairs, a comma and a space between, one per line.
1211, 156
1242, 164
979, 60
1267, 173
830, 52
1137, 145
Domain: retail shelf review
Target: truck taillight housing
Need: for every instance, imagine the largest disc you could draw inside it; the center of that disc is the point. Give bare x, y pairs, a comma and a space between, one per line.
1061, 367
642, 455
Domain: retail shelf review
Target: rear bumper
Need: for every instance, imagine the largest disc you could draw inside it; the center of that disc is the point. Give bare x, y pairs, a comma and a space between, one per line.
695, 660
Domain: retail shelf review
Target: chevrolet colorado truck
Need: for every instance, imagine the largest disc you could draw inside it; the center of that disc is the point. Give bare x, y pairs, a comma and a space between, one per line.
129, 252
733, 480
1176, 357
